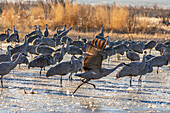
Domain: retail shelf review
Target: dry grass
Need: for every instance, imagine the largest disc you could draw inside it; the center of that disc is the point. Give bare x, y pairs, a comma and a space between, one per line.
79, 16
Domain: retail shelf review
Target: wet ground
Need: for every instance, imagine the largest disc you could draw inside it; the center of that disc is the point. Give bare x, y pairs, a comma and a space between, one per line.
110, 95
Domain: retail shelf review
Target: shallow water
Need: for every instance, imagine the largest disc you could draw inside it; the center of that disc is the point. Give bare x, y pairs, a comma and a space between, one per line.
110, 94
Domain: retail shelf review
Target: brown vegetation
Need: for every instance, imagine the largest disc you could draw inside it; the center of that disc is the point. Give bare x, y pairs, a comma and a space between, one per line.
81, 17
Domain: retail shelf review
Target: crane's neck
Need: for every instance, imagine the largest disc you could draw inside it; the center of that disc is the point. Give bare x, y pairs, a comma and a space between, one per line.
108, 71
7, 32
107, 39
143, 63
14, 64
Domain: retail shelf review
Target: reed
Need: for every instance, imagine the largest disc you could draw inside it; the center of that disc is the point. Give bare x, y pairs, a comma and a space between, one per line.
81, 17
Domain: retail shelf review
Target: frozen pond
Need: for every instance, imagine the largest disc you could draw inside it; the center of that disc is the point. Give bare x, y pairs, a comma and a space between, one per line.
110, 94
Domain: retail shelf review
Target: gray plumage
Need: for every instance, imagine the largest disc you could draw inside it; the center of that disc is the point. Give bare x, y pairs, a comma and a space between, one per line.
93, 62
61, 69
33, 32
135, 47
132, 56
58, 56
32, 49
6, 57
132, 69
109, 52
32, 38
64, 39
23, 59
74, 50
79, 44
5, 35
48, 41
167, 43
39, 31
46, 33
60, 31
37, 41
13, 38
64, 33
41, 62
110, 43
159, 61
15, 31
151, 44
6, 67
44, 50
148, 57
21, 48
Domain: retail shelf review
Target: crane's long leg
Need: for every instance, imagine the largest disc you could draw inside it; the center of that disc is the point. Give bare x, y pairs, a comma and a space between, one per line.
130, 81
61, 81
70, 77
1, 81
82, 84
40, 71
78, 87
140, 81
150, 51
157, 70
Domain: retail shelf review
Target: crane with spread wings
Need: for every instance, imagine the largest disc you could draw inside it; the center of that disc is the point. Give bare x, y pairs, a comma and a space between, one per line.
92, 64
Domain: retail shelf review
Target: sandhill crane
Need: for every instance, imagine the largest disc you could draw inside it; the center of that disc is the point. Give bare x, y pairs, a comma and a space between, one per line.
48, 41
6, 67
148, 57
79, 44
159, 47
37, 41
110, 43
23, 59
93, 62
74, 50
41, 61
64, 39
101, 34
33, 32
4, 36
32, 50
118, 42
64, 33
46, 31
148, 69
151, 44
21, 48
82, 39
61, 69
167, 43
44, 50
58, 56
132, 55
78, 67
15, 31
13, 38
59, 32
32, 38
132, 69
6, 57
159, 61
142, 44
39, 31
120, 49
135, 47
109, 52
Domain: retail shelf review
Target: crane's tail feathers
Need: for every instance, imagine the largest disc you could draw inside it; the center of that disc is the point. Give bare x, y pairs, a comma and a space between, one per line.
98, 43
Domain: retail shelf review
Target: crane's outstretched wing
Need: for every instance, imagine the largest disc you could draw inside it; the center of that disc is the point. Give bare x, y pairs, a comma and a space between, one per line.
93, 59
